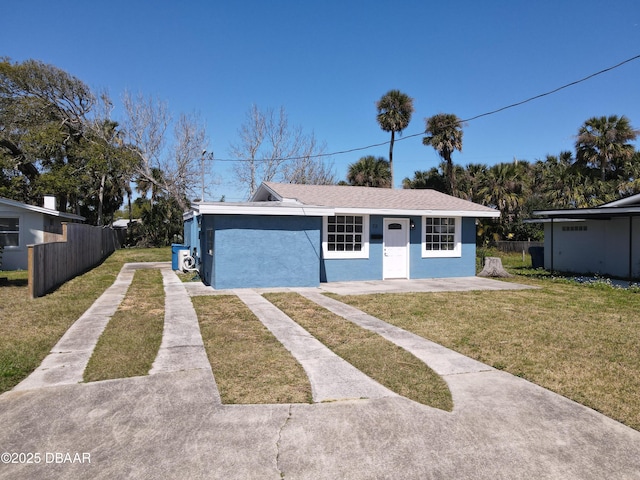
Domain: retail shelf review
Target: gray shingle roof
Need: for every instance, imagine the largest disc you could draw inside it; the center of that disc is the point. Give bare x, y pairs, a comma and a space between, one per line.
338, 196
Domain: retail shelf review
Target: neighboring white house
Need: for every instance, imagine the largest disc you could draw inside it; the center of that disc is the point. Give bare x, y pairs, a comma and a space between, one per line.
22, 225
603, 240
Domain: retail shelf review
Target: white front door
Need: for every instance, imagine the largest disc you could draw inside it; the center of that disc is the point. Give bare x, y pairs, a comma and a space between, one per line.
395, 263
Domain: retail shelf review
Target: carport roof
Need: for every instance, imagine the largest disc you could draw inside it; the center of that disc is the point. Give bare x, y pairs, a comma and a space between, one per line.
625, 207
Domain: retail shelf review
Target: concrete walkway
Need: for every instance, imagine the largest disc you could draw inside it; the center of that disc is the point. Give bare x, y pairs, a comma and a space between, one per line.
69, 357
331, 377
443, 361
171, 424
454, 284
182, 347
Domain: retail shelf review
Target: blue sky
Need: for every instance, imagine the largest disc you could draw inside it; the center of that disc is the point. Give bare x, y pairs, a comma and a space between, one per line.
328, 62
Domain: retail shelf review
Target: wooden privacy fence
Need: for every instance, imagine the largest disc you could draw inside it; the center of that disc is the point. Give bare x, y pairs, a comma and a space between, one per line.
79, 248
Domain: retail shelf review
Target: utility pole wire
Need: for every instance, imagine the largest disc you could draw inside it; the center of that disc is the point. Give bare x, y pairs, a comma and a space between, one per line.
492, 112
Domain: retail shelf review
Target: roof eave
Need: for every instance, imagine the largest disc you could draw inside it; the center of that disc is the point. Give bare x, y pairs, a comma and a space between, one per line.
45, 211
590, 212
263, 193
248, 209
419, 212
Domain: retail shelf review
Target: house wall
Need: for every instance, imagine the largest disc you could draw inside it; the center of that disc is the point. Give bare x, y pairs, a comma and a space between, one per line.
603, 248
462, 266
191, 237
334, 270
251, 251
357, 269
31, 232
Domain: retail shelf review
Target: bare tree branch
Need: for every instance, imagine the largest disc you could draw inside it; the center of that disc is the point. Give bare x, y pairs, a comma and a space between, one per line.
147, 125
269, 148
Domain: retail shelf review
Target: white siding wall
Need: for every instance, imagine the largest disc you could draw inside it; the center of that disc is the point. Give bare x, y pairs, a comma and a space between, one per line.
31, 226
603, 248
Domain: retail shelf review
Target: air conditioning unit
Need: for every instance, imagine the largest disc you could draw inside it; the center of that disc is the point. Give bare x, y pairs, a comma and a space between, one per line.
182, 254
186, 263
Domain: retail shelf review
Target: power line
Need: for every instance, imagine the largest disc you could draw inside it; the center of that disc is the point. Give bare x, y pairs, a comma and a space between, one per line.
405, 137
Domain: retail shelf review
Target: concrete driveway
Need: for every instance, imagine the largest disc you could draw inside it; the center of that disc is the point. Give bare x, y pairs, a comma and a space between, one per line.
171, 424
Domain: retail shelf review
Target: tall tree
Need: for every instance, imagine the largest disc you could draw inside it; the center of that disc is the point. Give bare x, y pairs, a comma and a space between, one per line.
394, 114
370, 171
177, 156
444, 134
310, 171
503, 187
431, 179
603, 142
270, 148
43, 113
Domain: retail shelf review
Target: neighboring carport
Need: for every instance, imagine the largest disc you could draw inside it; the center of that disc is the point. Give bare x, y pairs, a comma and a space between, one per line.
621, 217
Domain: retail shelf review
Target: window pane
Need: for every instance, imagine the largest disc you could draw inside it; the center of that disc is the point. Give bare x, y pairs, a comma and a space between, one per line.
440, 233
9, 224
340, 233
9, 240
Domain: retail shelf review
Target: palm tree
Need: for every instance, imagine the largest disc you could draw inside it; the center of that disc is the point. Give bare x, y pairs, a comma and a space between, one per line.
370, 171
603, 142
469, 180
152, 183
445, 136
503, 188
431, 179
394, 114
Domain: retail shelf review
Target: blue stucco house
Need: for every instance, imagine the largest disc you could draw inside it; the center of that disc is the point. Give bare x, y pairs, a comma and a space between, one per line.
291, 235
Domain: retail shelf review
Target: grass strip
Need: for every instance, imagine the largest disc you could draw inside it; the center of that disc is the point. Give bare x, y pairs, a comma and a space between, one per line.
130, 342
579, 341
29, 328
385, 362
249, 364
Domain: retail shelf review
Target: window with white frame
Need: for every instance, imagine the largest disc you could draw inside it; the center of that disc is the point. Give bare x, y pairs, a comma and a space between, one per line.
10, 232
441, 237
346, 236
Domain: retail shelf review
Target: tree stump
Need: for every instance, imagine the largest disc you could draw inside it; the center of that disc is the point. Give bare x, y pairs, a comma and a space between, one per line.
493, 268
